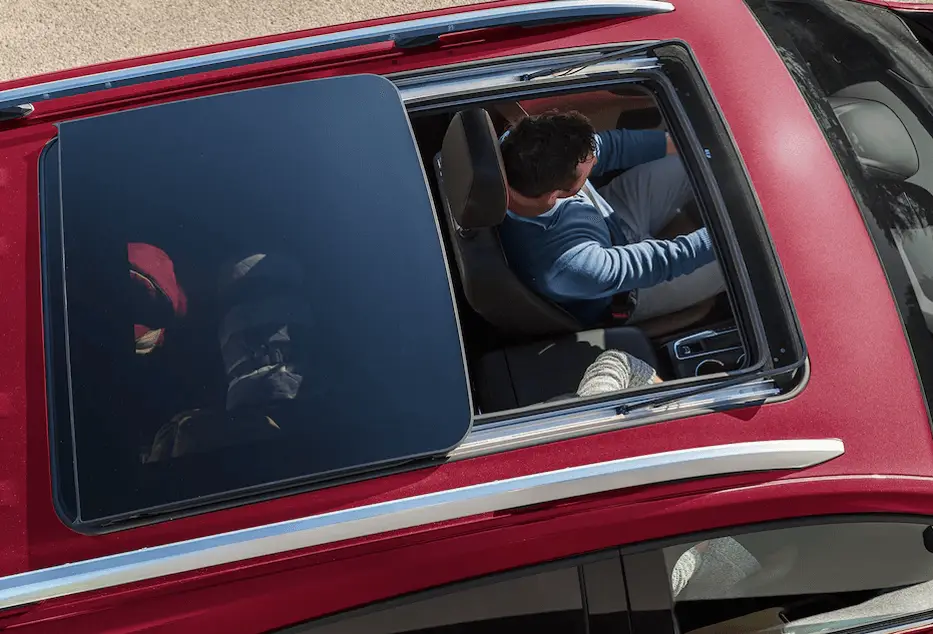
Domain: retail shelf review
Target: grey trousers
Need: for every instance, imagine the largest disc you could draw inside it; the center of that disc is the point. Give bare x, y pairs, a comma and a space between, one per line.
645, 199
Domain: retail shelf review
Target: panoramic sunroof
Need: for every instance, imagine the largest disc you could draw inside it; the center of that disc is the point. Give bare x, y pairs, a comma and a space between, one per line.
256, 294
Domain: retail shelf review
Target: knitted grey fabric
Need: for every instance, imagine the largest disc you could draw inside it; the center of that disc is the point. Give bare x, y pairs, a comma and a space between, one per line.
910, 600
712, 567
614, 371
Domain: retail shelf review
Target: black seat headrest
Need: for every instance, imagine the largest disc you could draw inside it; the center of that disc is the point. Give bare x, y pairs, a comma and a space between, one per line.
880, 139
473, 174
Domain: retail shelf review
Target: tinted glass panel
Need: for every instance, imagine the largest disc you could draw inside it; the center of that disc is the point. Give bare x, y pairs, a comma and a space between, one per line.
803, 580
256, 292
869, 82
546, 603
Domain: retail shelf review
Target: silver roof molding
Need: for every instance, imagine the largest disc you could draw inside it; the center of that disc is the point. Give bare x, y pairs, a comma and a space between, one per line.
596, 418
372, 519
407, 33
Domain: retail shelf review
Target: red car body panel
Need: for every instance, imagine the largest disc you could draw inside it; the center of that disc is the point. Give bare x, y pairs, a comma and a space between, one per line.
263, 595
828, 260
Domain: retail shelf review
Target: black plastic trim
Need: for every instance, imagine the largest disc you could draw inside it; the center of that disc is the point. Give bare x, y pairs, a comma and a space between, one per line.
65, 498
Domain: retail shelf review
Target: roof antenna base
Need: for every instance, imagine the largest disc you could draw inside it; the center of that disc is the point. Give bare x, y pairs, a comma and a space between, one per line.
11, 113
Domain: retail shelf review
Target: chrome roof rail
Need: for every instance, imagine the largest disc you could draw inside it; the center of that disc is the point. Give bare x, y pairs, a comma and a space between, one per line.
411, 512
407, 33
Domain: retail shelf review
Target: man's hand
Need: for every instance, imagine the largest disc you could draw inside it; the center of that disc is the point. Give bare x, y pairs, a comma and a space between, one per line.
671, 148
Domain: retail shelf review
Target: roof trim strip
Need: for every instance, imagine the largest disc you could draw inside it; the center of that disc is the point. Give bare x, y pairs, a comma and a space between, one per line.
404, 33
411, 512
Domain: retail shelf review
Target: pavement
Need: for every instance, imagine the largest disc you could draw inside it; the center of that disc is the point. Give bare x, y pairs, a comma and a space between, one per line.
38, 36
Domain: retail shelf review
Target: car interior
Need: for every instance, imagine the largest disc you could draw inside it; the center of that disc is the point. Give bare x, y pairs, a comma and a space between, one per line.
895, 147
809, 579
523, 349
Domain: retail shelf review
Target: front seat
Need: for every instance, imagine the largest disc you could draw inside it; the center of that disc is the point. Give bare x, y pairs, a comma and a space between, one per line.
471, 178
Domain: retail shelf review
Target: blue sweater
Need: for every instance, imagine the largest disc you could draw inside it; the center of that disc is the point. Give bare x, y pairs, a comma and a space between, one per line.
577, 254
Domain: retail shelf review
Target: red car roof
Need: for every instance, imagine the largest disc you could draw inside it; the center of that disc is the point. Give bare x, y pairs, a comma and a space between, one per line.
862, 387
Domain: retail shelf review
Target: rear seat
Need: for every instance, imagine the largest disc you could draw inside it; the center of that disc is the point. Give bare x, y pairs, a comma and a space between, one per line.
473, 189
524, 375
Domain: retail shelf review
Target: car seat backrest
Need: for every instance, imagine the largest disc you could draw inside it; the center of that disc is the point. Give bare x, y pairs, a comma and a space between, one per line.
473, 187
262, 331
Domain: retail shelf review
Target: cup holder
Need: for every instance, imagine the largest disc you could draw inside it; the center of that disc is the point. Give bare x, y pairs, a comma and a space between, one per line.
709, 366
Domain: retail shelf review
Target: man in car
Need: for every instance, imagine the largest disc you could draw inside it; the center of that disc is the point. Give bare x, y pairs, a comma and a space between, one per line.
593, 252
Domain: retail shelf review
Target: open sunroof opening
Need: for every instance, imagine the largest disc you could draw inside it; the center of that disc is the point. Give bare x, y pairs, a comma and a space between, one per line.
256, 293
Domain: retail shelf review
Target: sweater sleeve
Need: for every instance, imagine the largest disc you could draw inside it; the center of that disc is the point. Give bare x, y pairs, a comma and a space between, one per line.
622, 149
588, 270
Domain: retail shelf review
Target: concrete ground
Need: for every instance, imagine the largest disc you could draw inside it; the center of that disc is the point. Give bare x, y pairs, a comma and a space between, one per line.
38, 36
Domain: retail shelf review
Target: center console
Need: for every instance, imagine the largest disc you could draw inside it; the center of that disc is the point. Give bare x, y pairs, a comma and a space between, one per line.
707, 351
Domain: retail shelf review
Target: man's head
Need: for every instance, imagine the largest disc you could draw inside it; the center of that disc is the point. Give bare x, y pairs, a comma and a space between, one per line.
548, 156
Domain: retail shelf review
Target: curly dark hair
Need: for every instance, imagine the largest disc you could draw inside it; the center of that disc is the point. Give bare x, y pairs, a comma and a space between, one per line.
541, 152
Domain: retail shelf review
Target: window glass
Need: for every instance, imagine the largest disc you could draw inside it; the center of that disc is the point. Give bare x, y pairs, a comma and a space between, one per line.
547, 603
255, 294
869, 82
802, 580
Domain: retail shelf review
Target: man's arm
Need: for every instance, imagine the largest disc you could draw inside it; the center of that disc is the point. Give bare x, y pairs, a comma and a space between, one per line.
622, 149
588, 270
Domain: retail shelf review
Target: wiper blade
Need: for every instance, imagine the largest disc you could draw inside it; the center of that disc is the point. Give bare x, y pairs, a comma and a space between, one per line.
569, 69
